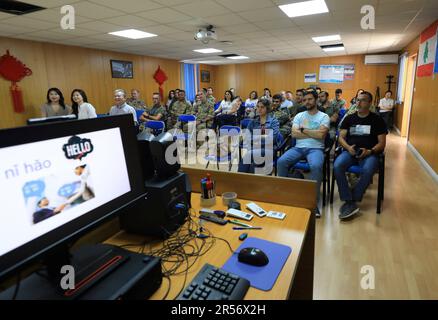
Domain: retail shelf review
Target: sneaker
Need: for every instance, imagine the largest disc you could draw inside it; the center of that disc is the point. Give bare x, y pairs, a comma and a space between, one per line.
317, 213
350, 210
343, 207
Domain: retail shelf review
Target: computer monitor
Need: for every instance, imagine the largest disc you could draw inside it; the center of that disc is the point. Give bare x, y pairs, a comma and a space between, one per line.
35, 121
60, 180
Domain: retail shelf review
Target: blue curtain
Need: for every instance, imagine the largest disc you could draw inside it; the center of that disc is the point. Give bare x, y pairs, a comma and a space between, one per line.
190, 81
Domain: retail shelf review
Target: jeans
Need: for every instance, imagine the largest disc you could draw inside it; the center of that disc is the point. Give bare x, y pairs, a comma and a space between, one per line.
248, 165
315, 158
369, 166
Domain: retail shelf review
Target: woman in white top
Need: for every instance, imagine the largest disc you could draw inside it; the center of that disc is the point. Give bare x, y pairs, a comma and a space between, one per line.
55, 105
386, 105
251, 104
228, 116
225, 106
81, 108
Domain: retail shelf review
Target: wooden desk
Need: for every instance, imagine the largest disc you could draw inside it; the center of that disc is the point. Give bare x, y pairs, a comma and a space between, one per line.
295, 231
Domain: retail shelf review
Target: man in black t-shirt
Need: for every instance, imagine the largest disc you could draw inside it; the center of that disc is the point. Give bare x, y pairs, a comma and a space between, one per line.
363, 137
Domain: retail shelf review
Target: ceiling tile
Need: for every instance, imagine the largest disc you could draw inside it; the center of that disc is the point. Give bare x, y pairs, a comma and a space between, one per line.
130, 6
94, 11
204, 9
164, 15
130, 21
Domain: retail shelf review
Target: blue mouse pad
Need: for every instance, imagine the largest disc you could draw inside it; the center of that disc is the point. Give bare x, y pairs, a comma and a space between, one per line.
262, 278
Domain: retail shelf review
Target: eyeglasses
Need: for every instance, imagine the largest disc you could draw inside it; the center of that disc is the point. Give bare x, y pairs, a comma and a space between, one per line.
276, 101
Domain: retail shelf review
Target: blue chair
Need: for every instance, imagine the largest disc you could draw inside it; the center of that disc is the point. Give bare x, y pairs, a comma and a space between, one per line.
139, 113
245, 123
183, 119
216, 106
102, 115
356, 169
157, 127
304, 166
225, 132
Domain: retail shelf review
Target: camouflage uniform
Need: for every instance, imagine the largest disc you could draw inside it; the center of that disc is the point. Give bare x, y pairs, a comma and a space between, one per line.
211, 99
203, 110
340, 104
136, 104
283, 119
177, 109
294, 109
330, 111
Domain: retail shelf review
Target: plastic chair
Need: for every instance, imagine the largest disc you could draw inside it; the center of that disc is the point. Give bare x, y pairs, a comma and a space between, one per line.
226, 132
216, 106
139, 114
245, 123
304, 166
157, 127
356, 169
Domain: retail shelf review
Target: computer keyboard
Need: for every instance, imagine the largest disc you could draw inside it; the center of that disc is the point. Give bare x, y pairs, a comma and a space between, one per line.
213, 283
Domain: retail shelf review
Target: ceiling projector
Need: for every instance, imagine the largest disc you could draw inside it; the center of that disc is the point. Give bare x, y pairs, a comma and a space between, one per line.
205, 35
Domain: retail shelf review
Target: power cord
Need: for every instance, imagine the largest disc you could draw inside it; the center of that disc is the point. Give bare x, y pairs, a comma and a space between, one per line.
17, 287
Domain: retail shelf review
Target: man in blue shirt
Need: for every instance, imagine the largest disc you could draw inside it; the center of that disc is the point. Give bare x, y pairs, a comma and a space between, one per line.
309, 129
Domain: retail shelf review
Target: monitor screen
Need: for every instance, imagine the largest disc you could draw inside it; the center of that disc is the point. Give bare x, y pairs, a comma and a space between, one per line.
54, 187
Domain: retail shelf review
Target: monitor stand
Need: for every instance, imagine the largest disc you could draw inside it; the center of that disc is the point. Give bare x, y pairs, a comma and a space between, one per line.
100, 272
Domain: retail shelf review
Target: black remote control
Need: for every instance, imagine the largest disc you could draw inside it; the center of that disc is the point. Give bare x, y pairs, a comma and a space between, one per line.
212, 218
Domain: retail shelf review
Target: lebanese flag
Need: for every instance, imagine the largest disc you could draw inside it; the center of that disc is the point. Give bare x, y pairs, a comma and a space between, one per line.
428, 50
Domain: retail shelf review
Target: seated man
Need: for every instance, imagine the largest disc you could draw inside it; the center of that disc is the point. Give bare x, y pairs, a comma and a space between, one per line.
338, 102
285, 103
210, 96
121, 107
179, 107
363, 137
156, 113
135, 101
204, 111
309, 129
331, 110
281, 115
298, 104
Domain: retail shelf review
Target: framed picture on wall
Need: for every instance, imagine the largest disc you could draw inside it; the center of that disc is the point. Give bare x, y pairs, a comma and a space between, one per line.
122, 69
205, 76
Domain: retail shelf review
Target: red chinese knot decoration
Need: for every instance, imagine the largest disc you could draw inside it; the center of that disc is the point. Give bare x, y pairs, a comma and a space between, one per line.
14, 70
160, 77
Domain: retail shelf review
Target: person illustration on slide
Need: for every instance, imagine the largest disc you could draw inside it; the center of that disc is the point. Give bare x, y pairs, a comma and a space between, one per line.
45, 211
85, 191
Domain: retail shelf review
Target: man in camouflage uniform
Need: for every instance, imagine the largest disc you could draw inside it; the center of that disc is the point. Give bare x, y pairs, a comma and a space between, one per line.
210, 96
156, 113
180, 107
332, 110
204, 111
281, 115
135, 101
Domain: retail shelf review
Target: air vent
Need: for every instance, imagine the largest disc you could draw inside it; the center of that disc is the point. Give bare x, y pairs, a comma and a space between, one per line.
18, 8
228, 55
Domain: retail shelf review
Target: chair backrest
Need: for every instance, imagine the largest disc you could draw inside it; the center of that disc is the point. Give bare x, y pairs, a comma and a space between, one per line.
139, 113
230, 131
156, 126
245, 123
186, 118
102, 115
216, 106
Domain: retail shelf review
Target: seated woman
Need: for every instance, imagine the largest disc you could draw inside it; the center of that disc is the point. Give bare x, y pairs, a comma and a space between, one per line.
260, 130
251, 104
226, 114
55, 105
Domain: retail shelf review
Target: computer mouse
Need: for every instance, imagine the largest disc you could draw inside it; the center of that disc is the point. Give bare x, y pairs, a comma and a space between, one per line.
253, 256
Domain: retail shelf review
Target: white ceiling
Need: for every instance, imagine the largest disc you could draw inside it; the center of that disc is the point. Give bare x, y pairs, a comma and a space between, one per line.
257, 28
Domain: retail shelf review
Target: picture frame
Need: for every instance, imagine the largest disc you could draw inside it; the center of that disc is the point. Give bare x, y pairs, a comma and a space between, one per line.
122, 69
205, 76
